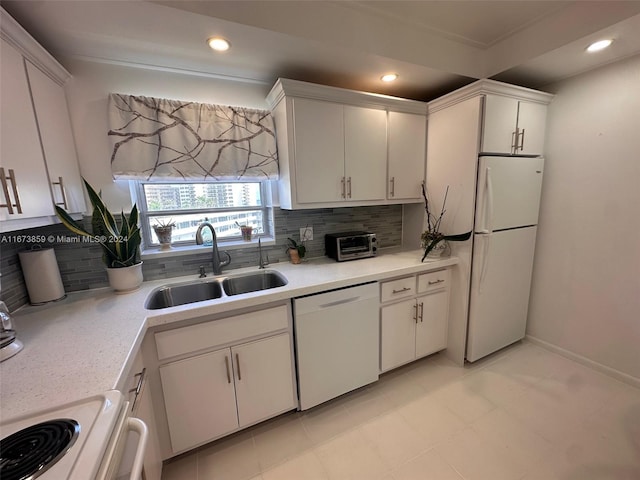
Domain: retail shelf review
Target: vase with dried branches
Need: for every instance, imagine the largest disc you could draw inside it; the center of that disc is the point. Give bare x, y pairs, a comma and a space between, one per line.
432, 239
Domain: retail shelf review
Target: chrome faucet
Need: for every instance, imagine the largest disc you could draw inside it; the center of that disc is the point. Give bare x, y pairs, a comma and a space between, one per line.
262, 262
217, 263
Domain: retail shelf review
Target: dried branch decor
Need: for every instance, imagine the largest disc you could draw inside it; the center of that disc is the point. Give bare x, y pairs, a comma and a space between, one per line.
155, 138
432, 235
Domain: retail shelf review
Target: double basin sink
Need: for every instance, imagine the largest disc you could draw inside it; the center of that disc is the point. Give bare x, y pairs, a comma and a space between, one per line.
210, 289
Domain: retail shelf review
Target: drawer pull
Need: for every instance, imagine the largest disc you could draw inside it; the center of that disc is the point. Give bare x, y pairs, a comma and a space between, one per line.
435, 282
415, 312
421, 312
238, 363
405, 289
226, 363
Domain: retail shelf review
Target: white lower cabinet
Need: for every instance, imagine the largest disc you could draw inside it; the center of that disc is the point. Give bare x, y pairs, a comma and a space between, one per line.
199, 398
212, 394
415, 327
141, 405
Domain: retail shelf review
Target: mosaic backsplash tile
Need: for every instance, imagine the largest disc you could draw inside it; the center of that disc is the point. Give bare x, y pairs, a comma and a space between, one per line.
81, 266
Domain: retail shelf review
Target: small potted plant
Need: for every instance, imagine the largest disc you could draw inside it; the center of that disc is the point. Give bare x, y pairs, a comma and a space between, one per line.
246, 231
295, 250
120, 241
163, 230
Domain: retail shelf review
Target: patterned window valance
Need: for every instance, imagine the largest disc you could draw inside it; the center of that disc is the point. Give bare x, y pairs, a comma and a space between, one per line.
160, 139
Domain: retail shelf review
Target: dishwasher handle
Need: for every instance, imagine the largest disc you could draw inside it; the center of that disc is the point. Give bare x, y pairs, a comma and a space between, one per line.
339, 302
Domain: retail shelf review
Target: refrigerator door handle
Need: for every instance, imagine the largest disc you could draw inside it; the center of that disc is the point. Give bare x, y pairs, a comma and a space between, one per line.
485, 259
487, 220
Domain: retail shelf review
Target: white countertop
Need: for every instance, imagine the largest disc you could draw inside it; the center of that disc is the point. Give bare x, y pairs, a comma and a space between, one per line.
83, 345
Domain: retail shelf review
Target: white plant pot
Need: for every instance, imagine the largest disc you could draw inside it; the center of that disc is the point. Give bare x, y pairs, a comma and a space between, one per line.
125, 279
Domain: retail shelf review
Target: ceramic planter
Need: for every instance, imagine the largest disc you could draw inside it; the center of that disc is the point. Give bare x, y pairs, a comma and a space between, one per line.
164, 236
125, 279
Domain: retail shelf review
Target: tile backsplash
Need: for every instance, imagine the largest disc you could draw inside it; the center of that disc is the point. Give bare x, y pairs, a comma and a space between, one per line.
81, 266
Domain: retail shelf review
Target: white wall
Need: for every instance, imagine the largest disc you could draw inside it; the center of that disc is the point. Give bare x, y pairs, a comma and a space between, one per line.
586, 281
87, 94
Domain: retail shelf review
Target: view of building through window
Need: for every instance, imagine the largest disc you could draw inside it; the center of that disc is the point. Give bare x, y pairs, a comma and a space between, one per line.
187, 205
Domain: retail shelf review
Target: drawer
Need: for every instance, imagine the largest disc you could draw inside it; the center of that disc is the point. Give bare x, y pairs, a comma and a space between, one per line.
428, 282
400, 288
202, 336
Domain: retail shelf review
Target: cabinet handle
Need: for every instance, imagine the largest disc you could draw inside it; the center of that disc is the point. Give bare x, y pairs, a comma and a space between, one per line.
405, 289
226, 363
415, 312
5, 188
238, 364
514, 140
64, 196
421, 312
349, 187
522, 140
342, 187
393, 186
440, 280
138, 386
141, 375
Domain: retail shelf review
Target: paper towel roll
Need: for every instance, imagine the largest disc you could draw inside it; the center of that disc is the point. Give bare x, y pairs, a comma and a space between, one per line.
42, 275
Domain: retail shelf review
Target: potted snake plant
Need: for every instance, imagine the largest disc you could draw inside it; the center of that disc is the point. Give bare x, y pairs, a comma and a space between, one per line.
120, 241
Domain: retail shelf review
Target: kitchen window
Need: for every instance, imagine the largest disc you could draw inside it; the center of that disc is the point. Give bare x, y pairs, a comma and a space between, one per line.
225, 205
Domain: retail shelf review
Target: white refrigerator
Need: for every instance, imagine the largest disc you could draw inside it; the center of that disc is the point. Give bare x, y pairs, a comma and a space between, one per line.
507, 204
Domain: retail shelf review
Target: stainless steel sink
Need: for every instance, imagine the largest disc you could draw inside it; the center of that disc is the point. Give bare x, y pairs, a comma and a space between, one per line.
183, 293
253, 282
210, 289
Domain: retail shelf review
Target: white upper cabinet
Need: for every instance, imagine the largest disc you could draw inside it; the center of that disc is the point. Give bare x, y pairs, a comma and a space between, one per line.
365, 153
25, 185
407, 155
50, 105
319, 150
39, 166
338, 147
513, 126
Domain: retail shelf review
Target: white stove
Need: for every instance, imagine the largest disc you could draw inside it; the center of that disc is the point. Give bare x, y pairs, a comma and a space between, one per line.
101, 421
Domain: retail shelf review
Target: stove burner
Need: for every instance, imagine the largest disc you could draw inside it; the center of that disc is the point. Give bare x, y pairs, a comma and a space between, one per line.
28, 453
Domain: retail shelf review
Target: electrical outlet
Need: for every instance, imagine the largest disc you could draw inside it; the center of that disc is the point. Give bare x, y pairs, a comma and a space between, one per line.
306, 233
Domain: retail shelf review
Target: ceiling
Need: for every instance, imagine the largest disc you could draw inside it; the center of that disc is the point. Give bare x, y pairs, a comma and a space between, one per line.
435, 46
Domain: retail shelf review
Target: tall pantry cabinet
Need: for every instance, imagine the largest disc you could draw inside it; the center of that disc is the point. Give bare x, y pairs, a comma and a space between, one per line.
38, 161
486, 117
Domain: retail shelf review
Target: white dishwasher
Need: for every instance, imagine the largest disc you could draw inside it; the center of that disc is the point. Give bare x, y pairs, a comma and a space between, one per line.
337, 342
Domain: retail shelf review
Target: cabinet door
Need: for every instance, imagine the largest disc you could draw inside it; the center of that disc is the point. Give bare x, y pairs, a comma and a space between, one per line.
531, 124
20, 149
199, 398
407, 155
365, 153
152, 456
433, 319
59, 149
499, 126
398, 334
319, 151
263, 378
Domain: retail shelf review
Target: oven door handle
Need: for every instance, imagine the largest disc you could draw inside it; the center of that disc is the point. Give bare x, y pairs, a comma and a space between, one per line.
138, 426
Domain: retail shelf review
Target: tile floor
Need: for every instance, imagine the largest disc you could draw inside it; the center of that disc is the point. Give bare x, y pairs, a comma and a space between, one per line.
522, 414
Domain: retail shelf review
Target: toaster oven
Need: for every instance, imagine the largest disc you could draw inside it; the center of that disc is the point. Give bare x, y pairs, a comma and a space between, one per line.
350, 245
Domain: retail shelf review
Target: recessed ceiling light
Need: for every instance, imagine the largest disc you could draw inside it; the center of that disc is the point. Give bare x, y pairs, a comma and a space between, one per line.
389, 77
599, 45
219, 44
